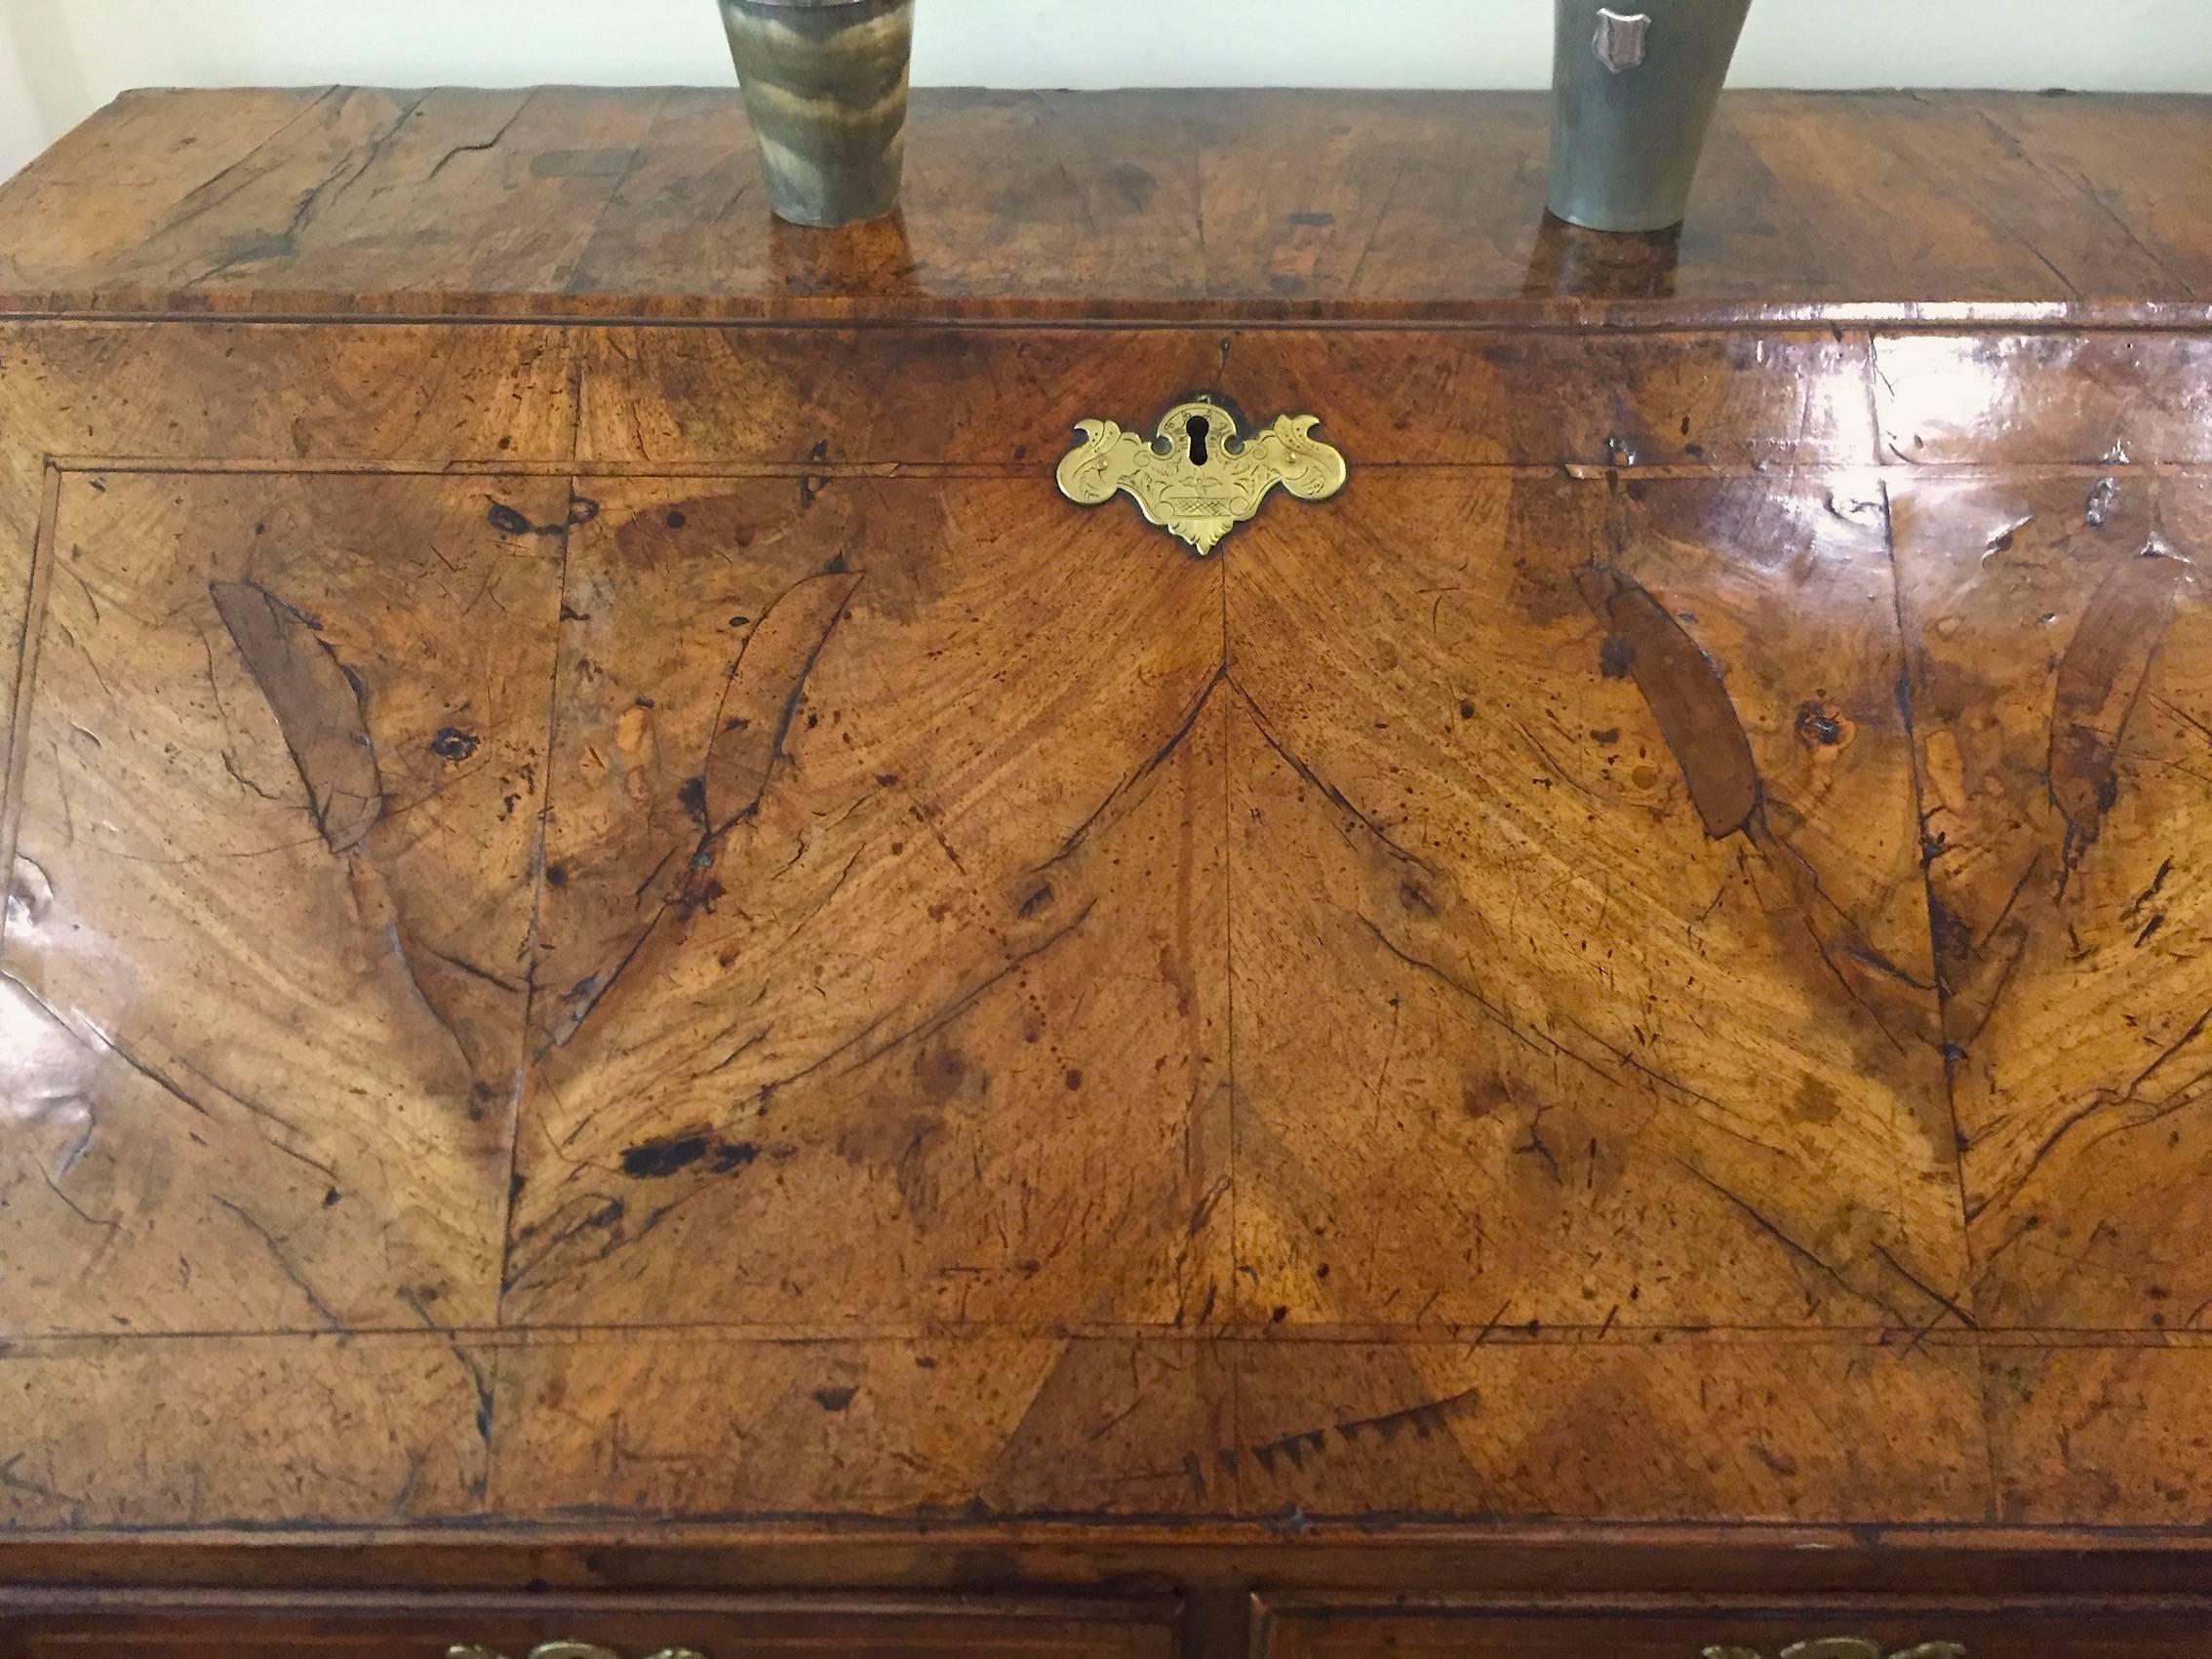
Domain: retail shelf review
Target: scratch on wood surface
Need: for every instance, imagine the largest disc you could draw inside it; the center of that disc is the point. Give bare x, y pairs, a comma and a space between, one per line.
318, 705
1422, 1420
2100, 680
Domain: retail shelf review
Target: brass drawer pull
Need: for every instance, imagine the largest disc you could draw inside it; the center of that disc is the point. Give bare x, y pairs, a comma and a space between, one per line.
1843, 1647
1198, 478
565, 1650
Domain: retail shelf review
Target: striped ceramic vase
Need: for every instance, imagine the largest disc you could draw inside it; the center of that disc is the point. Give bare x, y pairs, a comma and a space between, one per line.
825, 90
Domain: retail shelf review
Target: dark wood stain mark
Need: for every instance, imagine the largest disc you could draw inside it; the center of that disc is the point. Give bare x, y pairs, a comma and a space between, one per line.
454, 745
1819, 725
1685, 692
508, 521
657, 1160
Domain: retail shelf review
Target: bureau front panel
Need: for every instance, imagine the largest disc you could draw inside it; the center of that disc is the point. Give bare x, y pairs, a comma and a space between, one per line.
713, 946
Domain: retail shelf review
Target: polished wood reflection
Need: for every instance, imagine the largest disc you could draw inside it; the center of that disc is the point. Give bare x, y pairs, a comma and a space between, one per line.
618, 924
1228, 204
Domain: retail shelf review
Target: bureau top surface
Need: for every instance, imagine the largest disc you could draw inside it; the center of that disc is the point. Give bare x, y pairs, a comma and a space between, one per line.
1253, 204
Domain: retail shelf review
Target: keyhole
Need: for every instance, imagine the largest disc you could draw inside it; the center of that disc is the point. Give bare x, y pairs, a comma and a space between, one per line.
1197, 429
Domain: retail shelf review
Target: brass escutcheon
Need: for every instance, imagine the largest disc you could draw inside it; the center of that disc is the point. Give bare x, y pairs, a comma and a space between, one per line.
1197, 477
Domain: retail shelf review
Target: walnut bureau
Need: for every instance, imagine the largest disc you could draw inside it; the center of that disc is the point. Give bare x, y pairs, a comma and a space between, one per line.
653, 998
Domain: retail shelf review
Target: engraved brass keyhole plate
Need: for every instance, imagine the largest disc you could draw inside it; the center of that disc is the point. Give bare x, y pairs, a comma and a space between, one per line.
1199, 477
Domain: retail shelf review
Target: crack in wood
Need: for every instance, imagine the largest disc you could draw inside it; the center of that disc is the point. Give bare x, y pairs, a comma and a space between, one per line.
283, 1262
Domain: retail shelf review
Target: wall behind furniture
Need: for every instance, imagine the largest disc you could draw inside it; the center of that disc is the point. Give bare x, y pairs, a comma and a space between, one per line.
60, 60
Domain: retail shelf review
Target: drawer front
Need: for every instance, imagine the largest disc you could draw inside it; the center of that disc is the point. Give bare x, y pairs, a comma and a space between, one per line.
1670, 1627
629, 1628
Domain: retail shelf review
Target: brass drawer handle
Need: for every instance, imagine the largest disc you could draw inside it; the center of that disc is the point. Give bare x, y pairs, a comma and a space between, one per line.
565, 1650
1198, 478
1843, 1647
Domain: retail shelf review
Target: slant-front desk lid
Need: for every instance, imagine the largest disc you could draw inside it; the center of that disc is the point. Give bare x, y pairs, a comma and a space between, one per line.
653, 904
